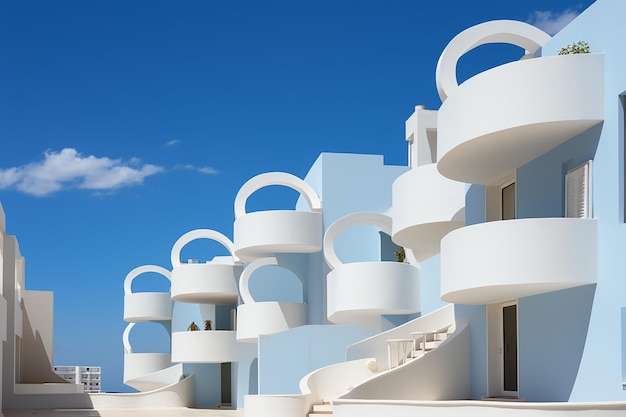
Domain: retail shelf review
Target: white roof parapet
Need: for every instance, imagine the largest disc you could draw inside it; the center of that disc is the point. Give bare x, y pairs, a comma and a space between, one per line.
498, 31
276, 178
366, 217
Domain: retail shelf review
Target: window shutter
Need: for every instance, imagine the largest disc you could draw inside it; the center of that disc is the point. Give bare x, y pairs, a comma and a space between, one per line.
578, 191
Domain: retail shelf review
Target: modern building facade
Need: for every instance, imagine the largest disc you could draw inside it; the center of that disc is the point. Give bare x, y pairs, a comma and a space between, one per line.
87, 376
486, 276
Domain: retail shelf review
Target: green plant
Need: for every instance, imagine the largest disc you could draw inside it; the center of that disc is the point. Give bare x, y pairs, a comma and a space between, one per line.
207, 324
580, 47
193, 327
400, 255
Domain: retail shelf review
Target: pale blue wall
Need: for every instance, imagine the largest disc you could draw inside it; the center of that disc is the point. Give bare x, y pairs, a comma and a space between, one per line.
552, 334
284, 358
474, 204
540, 184
599, 376
430, 285
476, 315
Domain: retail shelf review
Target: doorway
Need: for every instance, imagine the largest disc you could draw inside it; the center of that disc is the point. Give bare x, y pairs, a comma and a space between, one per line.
502, 345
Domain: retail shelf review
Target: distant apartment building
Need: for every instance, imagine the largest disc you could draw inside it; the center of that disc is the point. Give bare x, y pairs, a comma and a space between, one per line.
89, 376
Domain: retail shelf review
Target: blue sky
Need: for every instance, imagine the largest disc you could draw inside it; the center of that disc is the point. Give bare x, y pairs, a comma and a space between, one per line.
125, 124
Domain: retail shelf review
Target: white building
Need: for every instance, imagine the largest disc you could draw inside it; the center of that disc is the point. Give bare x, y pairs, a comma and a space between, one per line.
511, 213
88, 376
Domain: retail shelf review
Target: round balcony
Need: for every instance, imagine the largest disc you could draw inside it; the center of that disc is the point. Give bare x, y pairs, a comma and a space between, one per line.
426, 207
504, 117
255, 318
146, 306
208, 346
213, 282
138, 365
266, 233
502, 260
359, 292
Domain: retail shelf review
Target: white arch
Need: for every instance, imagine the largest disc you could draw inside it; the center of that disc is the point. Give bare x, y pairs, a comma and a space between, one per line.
498, 31
200, 234
276, 178
127, 347
244, 290
142, 270
372, 218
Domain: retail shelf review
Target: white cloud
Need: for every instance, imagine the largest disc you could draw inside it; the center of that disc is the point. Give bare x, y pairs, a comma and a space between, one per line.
551, 22
203, 170
173, 143
69, 169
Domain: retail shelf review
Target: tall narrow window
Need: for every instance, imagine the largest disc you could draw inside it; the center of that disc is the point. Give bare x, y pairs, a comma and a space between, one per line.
507, 201
578, 191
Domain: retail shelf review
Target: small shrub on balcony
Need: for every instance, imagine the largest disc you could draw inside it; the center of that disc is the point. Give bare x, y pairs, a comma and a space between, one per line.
193, 327
207, 324
400, 255
580, 47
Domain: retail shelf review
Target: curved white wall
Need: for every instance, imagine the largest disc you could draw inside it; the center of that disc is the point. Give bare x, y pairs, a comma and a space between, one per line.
212, 282
359, 292
502, 118
147, 306
210, 346
321, 385
266, 233
496, 261
441, 374
426, 207
140, 364
268, 317
376, 346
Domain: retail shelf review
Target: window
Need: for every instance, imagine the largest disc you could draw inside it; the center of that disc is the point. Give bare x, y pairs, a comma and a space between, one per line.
578, 192
501, 201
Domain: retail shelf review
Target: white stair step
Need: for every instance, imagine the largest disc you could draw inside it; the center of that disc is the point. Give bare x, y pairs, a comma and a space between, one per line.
322, 408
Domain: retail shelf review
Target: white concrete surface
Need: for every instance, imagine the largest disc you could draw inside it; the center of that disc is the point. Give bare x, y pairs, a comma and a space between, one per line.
124, 412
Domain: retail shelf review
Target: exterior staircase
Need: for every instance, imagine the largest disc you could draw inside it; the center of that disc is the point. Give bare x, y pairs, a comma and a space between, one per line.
321, 410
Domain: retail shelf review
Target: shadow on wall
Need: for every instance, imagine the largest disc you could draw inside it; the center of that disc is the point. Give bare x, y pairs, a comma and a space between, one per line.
552, 333
36, 354
253, 381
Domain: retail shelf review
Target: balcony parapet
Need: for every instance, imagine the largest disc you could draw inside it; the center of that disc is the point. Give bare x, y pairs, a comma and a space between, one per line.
360, 292
213, 282
137, 365
209, 346
426, 207
265, 233
146, 306
255, 318
502, 260
504, 117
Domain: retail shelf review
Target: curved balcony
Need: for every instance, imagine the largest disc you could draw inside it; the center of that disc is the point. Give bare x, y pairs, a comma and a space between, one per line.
426, 207
266, 233
255, 318
360, 292
210, 346
138, 365
504, 117
146, 306
498, 261
213, 282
